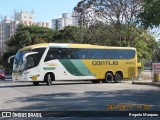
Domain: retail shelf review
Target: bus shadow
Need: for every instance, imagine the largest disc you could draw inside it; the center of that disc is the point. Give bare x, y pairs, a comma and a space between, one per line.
41, 84
14, 86
56, 84
71, 82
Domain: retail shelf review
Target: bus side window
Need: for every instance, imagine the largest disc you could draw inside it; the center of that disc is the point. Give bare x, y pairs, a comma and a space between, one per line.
31, 62
51, 56
47, 57
83, 57
69, 56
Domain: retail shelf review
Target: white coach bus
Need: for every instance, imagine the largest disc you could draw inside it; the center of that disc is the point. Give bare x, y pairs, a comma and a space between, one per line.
52, 61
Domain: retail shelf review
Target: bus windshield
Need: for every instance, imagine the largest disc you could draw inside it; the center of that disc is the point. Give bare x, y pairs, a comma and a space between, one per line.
19, 64
32, 60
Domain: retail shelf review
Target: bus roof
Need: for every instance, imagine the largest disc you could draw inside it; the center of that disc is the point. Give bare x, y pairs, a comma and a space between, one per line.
71, 45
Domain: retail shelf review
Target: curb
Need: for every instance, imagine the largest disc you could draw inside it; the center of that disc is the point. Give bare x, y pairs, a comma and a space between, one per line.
147, 83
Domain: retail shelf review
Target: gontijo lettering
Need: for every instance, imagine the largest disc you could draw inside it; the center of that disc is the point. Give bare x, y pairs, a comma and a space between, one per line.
105, 63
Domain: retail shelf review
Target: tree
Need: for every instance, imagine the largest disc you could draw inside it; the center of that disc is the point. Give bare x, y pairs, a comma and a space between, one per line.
28, 35
70, 34
111, 11
115, 23
145, 45
20, 39
5, 57
118, 16
150, 15
140, 39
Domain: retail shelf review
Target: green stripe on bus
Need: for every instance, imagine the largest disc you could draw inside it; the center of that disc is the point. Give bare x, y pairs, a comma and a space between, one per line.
48, 68
81, 67
70, 67
76, 67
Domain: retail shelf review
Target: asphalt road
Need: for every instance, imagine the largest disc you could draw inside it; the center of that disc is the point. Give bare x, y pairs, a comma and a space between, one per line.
78, 96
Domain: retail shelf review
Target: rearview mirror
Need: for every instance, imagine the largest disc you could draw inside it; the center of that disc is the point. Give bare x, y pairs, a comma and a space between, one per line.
27, 54
9, 59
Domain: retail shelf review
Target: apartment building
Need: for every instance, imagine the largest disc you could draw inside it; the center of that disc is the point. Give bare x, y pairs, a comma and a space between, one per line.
13, 27
9, 25
67, 19
24, 17
42, 24
60, 23
4, 32
75, 18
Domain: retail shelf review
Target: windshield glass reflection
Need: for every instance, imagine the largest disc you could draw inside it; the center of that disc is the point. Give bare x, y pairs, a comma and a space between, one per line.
19, 64
32, 60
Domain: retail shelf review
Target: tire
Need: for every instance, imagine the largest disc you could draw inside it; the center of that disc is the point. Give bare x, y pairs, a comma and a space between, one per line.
118, 77
95, 81
108, 78
35, 83
48, 79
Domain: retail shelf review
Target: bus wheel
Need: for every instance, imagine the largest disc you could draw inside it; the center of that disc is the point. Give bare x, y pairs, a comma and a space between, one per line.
118, 77
48, 79
108, 78
95, 81
35, 83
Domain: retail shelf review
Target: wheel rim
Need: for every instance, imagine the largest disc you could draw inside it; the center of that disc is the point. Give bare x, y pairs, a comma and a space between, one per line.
109, 77
118, 78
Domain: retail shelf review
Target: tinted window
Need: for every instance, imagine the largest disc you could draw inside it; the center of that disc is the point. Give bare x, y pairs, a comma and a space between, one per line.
31, 62
76, 53
53, 54
38, 56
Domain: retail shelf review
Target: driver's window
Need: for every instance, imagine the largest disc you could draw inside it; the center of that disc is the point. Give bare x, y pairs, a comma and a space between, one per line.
31, 62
